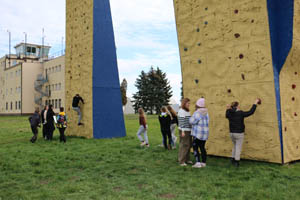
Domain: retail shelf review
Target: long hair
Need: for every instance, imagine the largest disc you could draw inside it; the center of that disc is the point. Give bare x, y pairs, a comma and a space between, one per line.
172, 111
141, 112
183, 104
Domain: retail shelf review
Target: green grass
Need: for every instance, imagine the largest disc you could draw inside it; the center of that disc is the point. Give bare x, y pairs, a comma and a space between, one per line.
121, 169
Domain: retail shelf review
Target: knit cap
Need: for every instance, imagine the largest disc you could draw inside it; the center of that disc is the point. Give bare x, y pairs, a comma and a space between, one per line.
201, 103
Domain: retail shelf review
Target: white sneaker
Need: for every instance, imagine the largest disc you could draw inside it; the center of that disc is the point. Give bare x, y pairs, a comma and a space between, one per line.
190, 162
203, 164
147, 145
197, 165
183, 164
143, 144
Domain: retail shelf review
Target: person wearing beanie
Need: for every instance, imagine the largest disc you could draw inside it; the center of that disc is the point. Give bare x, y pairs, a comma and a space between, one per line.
200, 132
236, 117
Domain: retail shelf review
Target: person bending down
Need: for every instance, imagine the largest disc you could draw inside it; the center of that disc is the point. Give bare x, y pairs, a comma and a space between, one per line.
75, 104
237, 127
35, 121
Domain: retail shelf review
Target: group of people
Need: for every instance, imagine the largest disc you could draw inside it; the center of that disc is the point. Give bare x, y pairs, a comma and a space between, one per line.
49, 120
194, 130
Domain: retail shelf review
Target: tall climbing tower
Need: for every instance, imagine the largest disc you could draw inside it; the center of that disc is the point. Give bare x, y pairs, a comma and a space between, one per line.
237, 51
91, 70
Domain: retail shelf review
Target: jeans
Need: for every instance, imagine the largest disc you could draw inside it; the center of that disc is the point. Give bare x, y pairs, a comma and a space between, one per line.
141, 130
237, 140
166, 134
77, 109
199, 144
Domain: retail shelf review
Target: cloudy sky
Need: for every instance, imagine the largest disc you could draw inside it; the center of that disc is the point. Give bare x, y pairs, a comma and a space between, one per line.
145, 33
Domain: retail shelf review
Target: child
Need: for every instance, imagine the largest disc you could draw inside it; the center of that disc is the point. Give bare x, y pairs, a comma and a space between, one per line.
35, 121
143, 128
174, 122
200, 132
184, 127
62, 124
165, 127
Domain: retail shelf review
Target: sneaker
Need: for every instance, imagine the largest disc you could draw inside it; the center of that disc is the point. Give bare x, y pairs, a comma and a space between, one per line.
203, 164
161, 145
190, 162
80, 124
143, 144
183, 164
174, 147
147, 145
197, 165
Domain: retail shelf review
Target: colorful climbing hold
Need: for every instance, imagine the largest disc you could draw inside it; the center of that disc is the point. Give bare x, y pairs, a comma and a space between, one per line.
205, 22
295, 114
199, 61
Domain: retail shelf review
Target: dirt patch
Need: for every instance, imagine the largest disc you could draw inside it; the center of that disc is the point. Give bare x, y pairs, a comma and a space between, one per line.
167, 196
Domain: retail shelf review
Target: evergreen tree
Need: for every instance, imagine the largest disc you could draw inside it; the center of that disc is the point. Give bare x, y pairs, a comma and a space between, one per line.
154, 91
124, 91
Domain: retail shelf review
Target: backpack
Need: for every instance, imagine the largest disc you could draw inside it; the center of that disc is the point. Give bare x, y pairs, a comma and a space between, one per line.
61, 121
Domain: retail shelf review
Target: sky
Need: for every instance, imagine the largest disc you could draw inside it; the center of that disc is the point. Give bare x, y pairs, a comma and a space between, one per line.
145, 34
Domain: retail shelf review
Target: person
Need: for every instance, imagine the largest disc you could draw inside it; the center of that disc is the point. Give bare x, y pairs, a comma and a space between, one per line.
165, 127
184, 127
143, 128
200, 132
43, 117
237, 127
35, 121
75, 104
62, 124
174, 123
50, 122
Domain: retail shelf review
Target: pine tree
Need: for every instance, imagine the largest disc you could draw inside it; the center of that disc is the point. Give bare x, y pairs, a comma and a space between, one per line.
154, 91
124, 91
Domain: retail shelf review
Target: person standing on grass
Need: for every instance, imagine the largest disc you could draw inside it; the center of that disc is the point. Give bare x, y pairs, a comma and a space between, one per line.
200, 131
143, 128
75, 105
174, 123
184, 127
44, 121
237, 127
35, 121
165, 127
62, 124
50, 122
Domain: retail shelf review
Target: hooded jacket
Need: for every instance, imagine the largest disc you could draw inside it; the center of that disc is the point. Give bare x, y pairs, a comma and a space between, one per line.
200, 124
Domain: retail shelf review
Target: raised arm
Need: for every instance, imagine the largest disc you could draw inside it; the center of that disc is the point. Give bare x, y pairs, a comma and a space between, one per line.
250, 112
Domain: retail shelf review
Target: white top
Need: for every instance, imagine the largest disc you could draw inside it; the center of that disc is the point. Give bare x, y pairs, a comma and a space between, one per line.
184, 120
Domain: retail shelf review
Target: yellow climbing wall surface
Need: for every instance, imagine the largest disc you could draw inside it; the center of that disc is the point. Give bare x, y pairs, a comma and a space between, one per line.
290, 95
79, 64
226, 56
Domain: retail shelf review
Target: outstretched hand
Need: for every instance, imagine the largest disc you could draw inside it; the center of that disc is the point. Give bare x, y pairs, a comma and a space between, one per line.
257, 101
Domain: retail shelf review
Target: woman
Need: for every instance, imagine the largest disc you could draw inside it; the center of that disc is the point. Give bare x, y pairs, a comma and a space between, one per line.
184, 127
237, 127
174, 123
143, 128
50, 122
165, 127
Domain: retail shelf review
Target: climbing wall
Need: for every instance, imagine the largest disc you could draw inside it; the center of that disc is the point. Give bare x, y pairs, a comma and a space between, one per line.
226, 56
290, 98
91, 70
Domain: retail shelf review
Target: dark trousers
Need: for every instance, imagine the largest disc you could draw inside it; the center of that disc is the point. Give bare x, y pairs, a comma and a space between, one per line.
44, 131
35, 134
62, 137
199, 144
50, 133
165, 134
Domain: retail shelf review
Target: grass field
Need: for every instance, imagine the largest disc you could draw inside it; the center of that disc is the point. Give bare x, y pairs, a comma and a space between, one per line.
121, 169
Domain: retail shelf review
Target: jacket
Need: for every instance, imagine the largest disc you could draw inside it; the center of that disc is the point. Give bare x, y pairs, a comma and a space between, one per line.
174, 120
200, 124
236, 119
50, 120
142, 121
76, 101
165, 122
61, 120
35, 120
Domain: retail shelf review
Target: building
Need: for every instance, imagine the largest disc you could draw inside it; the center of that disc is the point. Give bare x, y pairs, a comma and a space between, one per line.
30, 79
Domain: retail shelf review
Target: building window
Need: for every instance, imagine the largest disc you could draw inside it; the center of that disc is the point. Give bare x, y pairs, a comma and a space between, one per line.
46, 102
6, 106
6, 91
59, 103
16, 105
55, 103
59, 68
56, 87
19, 105
56, 68
52, 102
11, 105
10, 90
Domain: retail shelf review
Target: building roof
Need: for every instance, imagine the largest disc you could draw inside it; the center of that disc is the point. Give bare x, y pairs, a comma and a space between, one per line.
29, 44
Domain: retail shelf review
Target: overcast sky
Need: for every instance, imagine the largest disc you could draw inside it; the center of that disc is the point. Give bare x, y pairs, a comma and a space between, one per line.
145, 33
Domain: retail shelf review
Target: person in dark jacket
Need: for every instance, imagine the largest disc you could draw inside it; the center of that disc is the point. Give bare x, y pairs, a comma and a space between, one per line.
75, 104
237, 127
43, 117
35, 121
50, 123
174, 123
165, 127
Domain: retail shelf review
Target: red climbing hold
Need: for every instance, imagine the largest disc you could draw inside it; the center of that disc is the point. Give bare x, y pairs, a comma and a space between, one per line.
236, 11
295, 114
259, 101
293, 98
241, 56
229, 90
294, 86
237, 35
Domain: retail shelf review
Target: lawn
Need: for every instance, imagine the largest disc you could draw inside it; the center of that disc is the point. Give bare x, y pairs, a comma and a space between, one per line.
121, 169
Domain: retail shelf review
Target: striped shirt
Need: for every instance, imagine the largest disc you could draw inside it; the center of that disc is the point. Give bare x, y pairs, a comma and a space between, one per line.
200, 124
184, 120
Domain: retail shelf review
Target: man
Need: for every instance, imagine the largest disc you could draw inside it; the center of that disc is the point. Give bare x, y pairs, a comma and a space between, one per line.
44, 121
35, 121
75, 105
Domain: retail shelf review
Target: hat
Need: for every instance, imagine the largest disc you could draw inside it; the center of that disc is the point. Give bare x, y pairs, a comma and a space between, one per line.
201, 103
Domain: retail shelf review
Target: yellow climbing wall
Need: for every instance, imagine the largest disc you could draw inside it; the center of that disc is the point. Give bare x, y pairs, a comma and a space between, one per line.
290, 95
79, 64
226, 56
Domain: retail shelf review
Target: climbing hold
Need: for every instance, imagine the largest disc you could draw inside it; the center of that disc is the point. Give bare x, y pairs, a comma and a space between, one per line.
259, 101
236, 11
206, 8
229, 57
285, 129
185, 49
229, 90
241, 56
293, 86
196, 81
199, 44
293, 98
243, 76
295, 114
198, 29
296, 73
252, 21
237, 35
199, 61
205, 22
